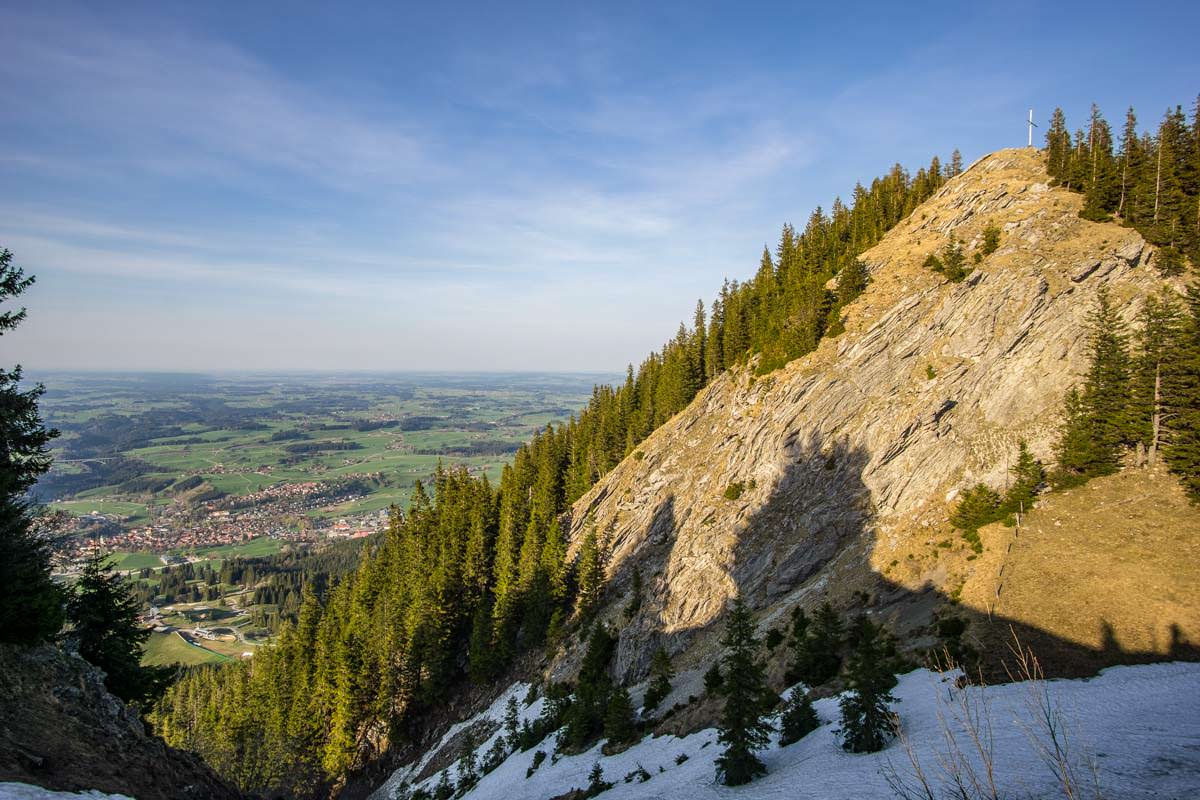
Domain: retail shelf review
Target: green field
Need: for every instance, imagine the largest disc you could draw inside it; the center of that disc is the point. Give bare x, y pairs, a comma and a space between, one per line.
263, 546
169, 648
134, 513
135, 561
250, 549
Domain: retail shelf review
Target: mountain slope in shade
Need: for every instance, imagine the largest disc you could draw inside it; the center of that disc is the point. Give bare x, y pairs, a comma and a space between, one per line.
60, 729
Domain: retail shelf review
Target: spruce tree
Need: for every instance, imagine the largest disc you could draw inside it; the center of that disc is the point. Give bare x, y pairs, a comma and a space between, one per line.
1097, 421
1028, 476
1157, 342
596, 783
868, 721
619, 725
590, 573
444, 789
979, 506
1182, 400
661, 674
852, 280
954, 263
1058, 146
1102, 186
824, 646
799, 718
800, 663
586, 716
30, 603
512, 724
635, 595
743, 728
468, 764
104, 619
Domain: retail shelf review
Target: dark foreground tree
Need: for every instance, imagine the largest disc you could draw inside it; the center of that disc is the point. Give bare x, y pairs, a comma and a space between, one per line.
868, 721
744, 728
104, 614
30, 603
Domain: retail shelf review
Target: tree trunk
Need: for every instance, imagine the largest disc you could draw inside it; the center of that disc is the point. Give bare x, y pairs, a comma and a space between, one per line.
1121, 205
1157, 181
1156, 419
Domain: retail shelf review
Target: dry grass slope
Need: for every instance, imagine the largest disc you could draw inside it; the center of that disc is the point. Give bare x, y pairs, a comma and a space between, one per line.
1113, 566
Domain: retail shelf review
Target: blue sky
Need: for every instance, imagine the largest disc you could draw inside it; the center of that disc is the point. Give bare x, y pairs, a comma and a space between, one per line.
486, 187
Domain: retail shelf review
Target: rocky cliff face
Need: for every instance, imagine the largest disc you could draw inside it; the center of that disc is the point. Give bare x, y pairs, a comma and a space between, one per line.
61, 729
826, 475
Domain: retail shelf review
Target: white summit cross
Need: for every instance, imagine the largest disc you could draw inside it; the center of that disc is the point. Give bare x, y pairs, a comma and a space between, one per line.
1032, 125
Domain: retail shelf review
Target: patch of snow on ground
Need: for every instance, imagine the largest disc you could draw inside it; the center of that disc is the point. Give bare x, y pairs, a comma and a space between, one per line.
1139, 727
23, 791
494, 712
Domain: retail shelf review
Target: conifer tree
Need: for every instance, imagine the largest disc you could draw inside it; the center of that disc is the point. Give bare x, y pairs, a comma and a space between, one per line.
1182, 400
800, 663
954, 263
661, 674
590, 572
512, 727
1058, 146
991, 240
1097, 421
1103, 181
619, 725
482, 653
468, 765
1028, 476
743, 727
30, 603
104, 618
444, 789
979, 506
799, 718
596, 783
586, 716
868, 721
1157, 339
824, 646
1131, 169
635, 595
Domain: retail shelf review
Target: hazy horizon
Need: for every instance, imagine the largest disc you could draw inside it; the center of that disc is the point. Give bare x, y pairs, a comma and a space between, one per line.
530, 188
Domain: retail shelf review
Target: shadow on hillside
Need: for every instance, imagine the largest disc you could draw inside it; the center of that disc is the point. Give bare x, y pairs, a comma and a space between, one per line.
819, 516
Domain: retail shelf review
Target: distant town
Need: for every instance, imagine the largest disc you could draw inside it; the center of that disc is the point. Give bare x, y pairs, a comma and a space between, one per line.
280, 512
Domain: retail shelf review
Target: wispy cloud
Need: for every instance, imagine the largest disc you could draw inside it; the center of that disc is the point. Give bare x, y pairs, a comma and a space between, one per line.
176, 104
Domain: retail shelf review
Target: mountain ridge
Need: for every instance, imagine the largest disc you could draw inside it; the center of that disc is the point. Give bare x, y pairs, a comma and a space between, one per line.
835, 461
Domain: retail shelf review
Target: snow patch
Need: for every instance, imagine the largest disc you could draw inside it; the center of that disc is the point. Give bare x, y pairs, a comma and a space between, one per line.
23, 791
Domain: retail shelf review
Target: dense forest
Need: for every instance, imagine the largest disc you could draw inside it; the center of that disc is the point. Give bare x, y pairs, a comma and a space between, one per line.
475, 574
278, 581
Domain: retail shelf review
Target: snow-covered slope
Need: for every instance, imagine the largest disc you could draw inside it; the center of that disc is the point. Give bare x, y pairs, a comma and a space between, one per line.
1131, 732
23, 791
